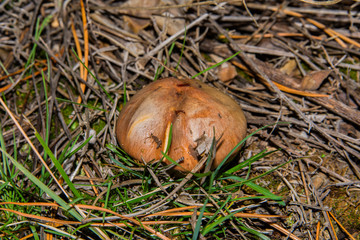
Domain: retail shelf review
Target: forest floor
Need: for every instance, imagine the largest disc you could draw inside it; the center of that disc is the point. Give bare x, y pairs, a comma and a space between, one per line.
68, 67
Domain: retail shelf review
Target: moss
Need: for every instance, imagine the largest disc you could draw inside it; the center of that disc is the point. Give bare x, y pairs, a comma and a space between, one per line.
244, 75
67, 113
345, 208
99, 125
351, 73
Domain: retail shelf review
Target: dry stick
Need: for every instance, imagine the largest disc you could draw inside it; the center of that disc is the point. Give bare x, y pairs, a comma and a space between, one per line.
156, 179
67, 68
186, 5
318, 230
321, 26
118, 185
254, 67
86, 170
280, 229
355, 167
78, 47
181, 184
83, 73
302, 170
33, 147
281, 86
325, 170
332, 226
269, 35
325, 213
67, 222
176, 35
10, 86
281, 95
134, 221
341, 226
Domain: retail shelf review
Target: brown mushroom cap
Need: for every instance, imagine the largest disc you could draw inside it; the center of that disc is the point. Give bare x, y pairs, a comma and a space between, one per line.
194, 109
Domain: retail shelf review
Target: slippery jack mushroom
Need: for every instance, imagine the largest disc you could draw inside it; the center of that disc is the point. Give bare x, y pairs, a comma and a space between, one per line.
194, 109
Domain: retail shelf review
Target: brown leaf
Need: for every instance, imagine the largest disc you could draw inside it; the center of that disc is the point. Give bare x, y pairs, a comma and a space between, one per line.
313, 80
276, 75
170, 23
140, 8
136, 24
290, 68
140, 12
226, 72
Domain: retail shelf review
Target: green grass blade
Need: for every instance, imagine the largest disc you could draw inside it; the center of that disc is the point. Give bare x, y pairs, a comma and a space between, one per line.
199, 221
79, 147
117, 235
238, 145
167, 147
125, 96
61, 158
266, 193
81, 104
47, 129
219, 209
97, 80
57, 165
254, 232
5, 165
35, 234
43, 187
182, 50
5, 71
161, 69
216, 65
145, 195
254, 158
38, 31
211, 226
107, 198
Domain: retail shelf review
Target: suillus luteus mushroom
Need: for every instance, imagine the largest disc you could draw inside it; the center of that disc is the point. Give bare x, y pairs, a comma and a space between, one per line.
193, 110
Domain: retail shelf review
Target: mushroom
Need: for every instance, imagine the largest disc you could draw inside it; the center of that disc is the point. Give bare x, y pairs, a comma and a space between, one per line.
194, 110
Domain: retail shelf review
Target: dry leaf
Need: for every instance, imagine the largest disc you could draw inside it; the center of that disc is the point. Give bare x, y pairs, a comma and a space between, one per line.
140, 10
55, 23
313, 80
348, 130
135, 47
276, 75
136, 24
226, 72
290, 68
170, 23
319, 180
139, 13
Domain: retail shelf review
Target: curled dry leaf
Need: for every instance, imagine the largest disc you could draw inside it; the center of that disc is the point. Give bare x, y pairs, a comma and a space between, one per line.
226, 72
195, 111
